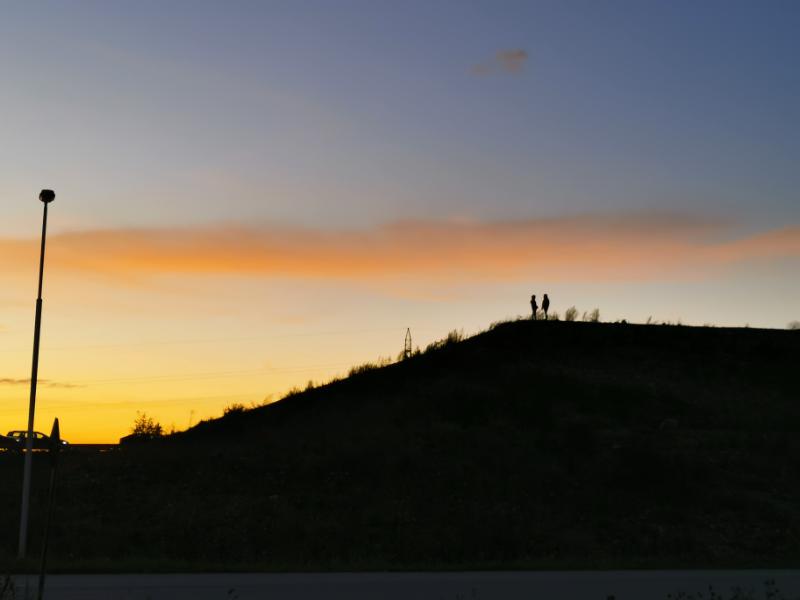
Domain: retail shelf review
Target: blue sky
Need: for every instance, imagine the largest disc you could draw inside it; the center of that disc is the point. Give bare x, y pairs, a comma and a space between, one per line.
361, 112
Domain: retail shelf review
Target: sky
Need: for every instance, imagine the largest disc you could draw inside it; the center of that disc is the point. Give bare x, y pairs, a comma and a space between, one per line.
252, 195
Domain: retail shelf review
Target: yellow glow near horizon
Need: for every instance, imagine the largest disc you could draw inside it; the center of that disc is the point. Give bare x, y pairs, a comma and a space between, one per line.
143, 329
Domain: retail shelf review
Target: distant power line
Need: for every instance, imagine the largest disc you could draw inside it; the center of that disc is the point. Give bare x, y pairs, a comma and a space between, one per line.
179, 341
144, 402
204, 375
215, 374
295, 369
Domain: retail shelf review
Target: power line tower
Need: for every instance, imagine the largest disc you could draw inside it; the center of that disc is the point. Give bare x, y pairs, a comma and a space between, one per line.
407, 349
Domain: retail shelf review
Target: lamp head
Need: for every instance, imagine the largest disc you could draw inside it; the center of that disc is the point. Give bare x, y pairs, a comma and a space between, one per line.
47, 196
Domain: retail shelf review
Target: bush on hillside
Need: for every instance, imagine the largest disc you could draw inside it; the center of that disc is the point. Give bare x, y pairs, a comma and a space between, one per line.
294, 391
592, 317
146, 426
453, 337
234, 409
144, 429
571, 314
370, 366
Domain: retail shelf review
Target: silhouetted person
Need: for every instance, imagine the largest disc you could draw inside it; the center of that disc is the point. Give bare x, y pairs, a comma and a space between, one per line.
545, 306
534, 307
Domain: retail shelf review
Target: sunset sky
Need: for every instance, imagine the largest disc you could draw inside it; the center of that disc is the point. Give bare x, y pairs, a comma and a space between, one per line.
254, 194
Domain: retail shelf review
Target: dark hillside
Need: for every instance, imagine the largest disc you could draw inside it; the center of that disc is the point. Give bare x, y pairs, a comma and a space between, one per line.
534, 444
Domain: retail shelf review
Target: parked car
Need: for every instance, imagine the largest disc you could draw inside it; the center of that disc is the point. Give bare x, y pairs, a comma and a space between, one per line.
9, 443
40, 440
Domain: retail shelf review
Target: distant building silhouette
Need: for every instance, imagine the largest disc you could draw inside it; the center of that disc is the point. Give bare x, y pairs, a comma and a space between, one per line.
534, 307
545, 305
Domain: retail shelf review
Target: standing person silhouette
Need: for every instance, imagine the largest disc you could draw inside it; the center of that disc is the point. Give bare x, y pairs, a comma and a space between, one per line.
534, 307
545, 306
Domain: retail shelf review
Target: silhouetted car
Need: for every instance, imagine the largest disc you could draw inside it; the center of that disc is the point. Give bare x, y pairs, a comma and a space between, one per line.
9, 443
40, 440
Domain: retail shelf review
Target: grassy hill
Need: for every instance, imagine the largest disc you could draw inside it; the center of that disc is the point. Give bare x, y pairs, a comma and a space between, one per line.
535, 444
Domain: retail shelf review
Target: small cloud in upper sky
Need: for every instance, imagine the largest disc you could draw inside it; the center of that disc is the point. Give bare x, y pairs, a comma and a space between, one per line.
508, 61
512, 60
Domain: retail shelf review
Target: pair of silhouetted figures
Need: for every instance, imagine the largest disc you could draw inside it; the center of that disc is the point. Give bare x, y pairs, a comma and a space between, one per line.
535, 306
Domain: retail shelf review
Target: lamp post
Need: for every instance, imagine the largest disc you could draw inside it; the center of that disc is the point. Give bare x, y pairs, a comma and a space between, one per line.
46, 196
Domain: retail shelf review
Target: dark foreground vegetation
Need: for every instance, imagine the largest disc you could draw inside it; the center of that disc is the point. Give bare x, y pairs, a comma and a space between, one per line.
533, 445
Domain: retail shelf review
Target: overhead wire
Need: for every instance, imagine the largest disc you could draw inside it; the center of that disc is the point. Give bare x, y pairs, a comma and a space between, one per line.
213, 374
181, 341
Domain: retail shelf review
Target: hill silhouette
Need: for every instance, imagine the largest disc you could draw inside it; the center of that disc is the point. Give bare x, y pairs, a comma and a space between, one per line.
534, 444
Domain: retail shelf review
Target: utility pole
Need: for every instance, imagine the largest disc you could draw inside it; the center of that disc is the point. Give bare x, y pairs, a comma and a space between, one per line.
407, 349
46, 196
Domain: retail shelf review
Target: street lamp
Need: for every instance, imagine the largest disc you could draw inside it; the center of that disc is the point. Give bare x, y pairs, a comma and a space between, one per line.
46, 196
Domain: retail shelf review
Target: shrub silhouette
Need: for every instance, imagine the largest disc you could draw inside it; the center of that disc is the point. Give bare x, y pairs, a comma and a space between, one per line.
592, 317
370, 366
794, 326
294, 391
453, 337
234, 408
145, 426
571, 314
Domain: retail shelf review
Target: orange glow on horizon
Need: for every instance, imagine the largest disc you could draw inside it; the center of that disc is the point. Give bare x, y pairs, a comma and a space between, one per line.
179, 323
560, 249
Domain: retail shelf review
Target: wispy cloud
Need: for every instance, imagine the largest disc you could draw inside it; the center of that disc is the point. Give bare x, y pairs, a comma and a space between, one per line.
512, 60
42, 382
589, 248
508, 61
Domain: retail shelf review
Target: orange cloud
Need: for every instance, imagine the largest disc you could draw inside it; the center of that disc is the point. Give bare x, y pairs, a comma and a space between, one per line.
577, 249
510, 61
